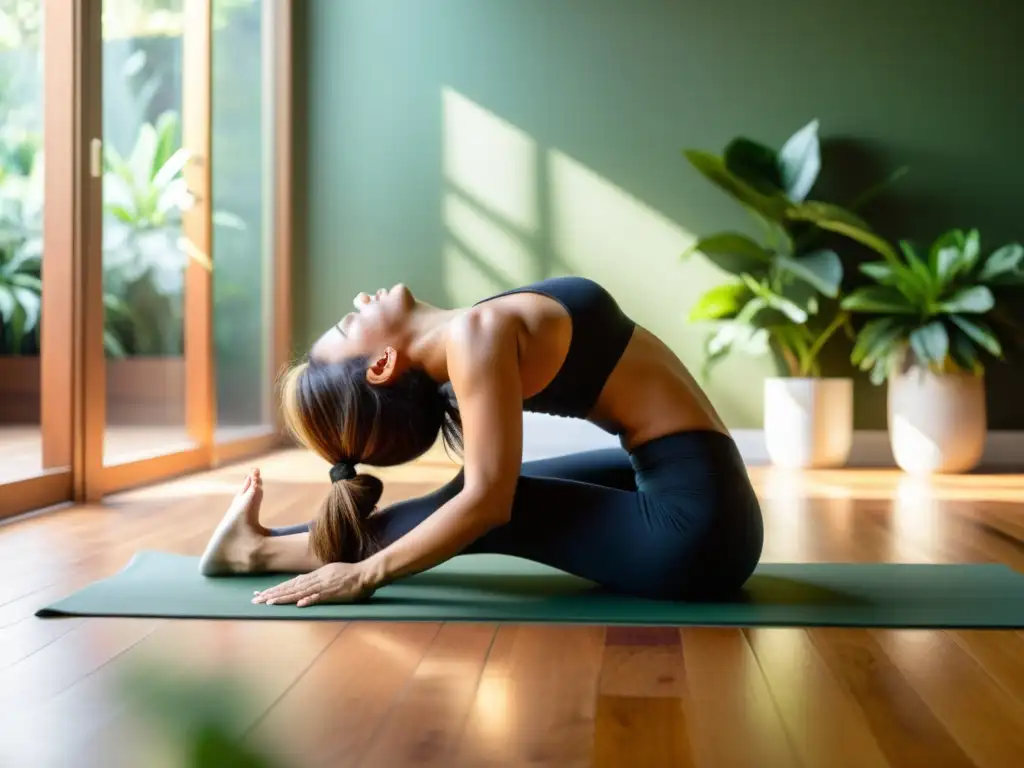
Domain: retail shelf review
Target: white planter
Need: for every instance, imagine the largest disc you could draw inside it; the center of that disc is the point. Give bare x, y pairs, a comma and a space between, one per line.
808, 423
937, 422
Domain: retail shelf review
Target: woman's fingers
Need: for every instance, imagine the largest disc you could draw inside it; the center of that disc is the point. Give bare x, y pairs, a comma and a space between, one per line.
290, 591
309, 600
287, 586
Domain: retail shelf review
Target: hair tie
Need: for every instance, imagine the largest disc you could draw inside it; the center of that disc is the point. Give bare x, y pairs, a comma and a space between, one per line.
343, 470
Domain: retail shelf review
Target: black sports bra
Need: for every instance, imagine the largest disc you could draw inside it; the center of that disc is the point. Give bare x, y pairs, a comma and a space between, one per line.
600, 333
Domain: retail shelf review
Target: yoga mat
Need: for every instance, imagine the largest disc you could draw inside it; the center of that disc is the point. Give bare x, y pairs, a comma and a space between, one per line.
495, 588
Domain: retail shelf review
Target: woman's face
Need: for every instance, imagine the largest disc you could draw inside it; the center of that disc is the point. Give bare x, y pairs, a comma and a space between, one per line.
379, 321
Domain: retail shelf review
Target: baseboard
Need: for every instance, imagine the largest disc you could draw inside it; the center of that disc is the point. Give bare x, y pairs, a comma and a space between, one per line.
545, 436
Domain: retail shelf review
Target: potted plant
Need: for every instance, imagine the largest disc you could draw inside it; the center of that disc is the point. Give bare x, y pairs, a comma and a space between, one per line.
929, 337
783, 296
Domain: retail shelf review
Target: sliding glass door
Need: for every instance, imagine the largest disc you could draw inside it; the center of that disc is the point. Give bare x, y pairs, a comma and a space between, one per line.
143, 308
155, 246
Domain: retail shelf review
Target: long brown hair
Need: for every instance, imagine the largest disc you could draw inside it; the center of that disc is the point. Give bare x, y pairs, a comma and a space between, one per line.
333, 410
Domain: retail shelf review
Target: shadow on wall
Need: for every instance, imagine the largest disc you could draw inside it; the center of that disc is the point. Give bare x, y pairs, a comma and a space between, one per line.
466, 147
515, 211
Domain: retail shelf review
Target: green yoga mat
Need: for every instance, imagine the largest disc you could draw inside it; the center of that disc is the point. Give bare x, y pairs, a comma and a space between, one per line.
495, 588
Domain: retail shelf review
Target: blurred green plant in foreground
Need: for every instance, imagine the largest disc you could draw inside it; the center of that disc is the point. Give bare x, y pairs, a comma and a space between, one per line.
202, 720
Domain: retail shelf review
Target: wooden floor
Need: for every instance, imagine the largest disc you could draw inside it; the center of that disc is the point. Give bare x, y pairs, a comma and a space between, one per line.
366, 694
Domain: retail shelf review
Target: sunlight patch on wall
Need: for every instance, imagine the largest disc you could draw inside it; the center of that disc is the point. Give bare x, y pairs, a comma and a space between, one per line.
601, 230
491, 160
466, 278
513, 262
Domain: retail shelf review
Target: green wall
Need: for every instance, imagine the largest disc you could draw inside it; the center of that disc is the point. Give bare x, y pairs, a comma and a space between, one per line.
464, 146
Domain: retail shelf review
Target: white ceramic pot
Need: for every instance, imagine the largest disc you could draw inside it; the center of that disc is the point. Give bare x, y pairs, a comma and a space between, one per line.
937, 422
808, 423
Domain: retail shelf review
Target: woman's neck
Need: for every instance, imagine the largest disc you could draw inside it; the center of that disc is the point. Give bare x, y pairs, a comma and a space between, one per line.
428, 345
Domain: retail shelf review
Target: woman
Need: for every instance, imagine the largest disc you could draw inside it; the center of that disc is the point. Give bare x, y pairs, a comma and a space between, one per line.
671, 516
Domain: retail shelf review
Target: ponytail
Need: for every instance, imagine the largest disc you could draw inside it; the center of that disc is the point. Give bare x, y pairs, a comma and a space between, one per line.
332, 409
340, 534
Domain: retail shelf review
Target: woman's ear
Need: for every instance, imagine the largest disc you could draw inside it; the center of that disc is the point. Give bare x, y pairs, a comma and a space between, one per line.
385, 367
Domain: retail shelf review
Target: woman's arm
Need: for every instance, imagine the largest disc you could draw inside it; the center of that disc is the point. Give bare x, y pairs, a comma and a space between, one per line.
483, 365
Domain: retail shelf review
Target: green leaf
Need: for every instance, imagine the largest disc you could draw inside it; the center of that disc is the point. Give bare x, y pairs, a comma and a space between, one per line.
29, 282
979, 333
800, 162
869, 334
755, 164
144, 155
121, 214
772, 207
878, 298
930, 343
822, 269
963, 352
974, 300
1008, 259
734, 253
925, 278
722, 301
7, 304
947, 262
167, 141
880, 271
112, 345
843, 222
30, 304
170, 170
785, 306
801, 293
881, 347
732, 334
972, 247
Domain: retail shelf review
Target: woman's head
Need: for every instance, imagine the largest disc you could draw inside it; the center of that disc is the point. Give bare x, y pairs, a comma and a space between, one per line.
356, 402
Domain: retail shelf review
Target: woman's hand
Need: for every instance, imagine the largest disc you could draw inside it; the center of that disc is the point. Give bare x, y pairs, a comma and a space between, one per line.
332, 583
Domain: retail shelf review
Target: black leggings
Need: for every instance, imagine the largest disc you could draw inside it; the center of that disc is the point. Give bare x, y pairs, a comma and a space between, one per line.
677, 518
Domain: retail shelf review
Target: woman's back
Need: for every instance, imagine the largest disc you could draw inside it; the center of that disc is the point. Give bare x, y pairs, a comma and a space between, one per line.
581, 356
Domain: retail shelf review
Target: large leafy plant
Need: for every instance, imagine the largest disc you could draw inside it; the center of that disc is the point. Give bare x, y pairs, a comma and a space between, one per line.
21, 248
781, 286
932, 309
145, 254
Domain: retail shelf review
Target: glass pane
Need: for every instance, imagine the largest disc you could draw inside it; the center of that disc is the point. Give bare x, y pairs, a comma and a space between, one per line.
242, 200
21, 236
144, 195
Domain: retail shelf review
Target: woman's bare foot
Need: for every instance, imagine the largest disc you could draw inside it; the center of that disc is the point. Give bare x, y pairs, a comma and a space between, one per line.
235, 545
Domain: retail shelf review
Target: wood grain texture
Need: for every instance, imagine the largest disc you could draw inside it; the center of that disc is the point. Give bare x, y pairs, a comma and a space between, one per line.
366, 694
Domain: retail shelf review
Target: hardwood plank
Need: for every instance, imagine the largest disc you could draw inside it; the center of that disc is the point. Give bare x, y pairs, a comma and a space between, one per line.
53, 669
643, 670
423, 728
536, 703
905, 728
824, 723
641, 732
332, 713
730, 712
110, 715
1001, 654
983, 717
21, 640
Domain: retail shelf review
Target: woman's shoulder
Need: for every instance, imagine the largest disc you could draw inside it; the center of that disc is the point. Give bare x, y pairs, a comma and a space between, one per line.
481, 329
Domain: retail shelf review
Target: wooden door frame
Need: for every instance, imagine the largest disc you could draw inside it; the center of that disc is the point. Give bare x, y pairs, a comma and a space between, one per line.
73, 380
